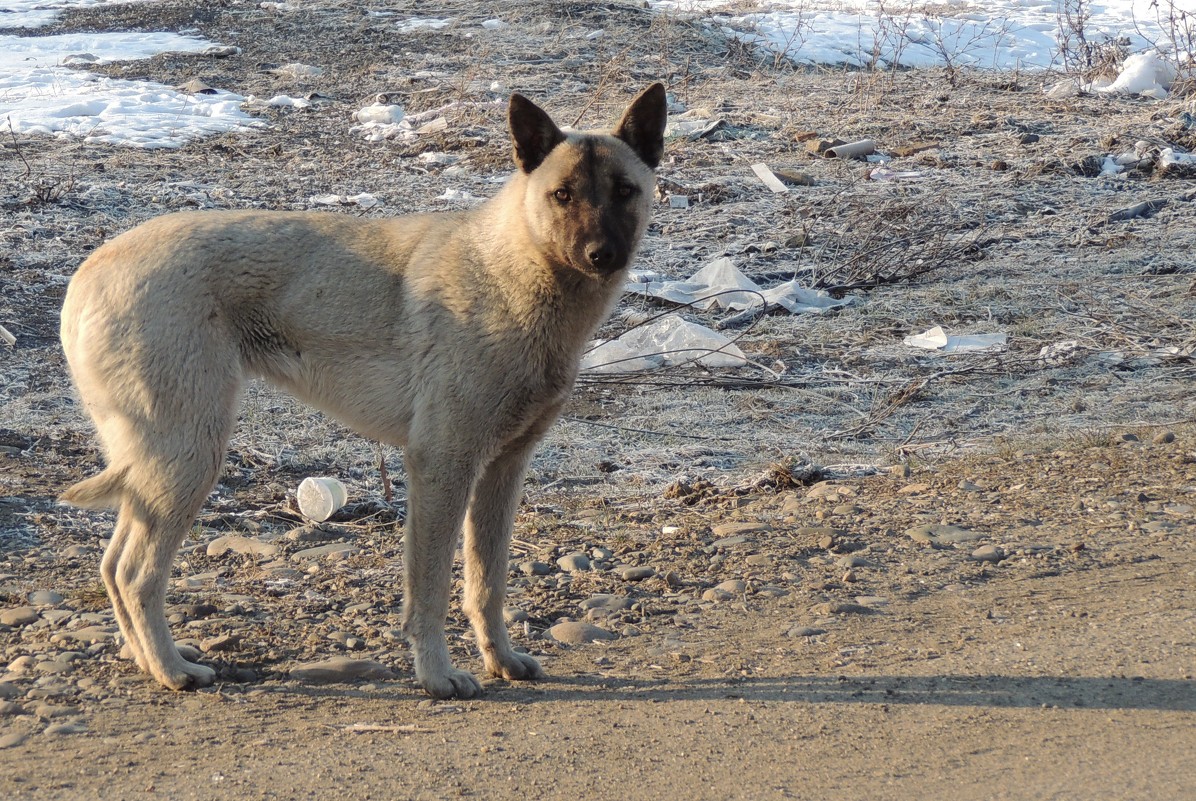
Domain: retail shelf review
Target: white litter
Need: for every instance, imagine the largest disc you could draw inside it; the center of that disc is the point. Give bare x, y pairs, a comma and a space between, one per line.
665, 342
937, 339
768, 178
379, 113
459, 195
365, 200
720, 284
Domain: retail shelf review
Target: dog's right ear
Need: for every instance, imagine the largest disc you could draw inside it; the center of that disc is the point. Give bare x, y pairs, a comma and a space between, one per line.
532, 131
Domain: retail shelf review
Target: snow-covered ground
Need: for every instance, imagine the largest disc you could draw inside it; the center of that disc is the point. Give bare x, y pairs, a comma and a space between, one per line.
1005, 34
41, 94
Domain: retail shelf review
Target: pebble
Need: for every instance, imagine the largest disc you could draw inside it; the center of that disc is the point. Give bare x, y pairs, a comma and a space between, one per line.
717, 595
12, 739
341, 668
601, 554
8, 689
614, 603
535, 568
942, 534
804, 631
78, 551
333, 550
574, 562
312, 533
22, 664
914, 489
841, 608
758, 560
56, 616
245, 546
510, 616
88, 634
575, 633
733, 586
987, 553
738, 529
10, 708
224, 642
45, 598
19, 616
636, 573
62, 729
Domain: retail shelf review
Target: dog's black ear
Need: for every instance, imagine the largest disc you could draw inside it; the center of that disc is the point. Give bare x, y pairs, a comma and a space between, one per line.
643, 123
532, 131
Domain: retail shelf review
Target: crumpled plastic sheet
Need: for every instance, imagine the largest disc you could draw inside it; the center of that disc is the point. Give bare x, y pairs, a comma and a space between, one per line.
665, 342
720, 284
937, 339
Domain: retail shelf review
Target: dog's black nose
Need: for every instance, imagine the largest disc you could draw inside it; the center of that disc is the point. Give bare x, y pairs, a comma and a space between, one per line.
600, 256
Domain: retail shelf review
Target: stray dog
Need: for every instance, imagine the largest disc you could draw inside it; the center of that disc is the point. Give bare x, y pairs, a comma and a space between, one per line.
456, 335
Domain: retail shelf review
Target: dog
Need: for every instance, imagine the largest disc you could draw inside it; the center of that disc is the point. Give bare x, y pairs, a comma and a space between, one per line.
455, 335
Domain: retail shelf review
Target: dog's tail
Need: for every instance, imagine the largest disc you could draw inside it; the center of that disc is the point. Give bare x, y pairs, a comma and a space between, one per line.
98, 492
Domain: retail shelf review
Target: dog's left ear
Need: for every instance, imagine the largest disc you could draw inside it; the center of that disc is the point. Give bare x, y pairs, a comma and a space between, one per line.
532, 131
643, 123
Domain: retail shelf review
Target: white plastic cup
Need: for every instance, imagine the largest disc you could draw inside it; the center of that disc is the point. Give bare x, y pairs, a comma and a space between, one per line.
319, 498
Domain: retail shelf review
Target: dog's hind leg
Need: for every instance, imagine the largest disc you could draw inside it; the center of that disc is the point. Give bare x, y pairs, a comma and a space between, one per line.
488, 526
112, 554
142, 571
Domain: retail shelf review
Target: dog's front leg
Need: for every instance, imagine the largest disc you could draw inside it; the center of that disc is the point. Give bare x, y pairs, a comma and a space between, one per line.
438, 490
488, 527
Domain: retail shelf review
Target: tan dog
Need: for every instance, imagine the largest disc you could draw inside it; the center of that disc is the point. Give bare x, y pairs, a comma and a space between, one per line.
456, 335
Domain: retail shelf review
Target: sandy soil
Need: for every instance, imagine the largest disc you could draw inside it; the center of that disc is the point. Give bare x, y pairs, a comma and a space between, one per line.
867, 571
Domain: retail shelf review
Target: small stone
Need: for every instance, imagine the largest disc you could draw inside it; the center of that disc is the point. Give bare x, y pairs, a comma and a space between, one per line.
78, 551
734, 586
574, 562
730, 542
535, 568
575, 633
88, 634
8, 689
224, 642
941, 533
601, 554
341, 668
636, 573
511, 616
759, 560
245, 546
332, 550
804, 631
19, 616
913, 489
841, 608
851, 560
987, 553
845, 509
614, 603
63, 729
313, 533
12, 739
10, 709
45, 598
717, 595
738, 529
22, 664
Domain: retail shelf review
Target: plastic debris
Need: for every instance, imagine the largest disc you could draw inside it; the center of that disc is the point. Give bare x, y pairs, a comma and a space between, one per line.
720, 284
319, 498
666, 342
770, 180
1147, 74
365, 200
937, 339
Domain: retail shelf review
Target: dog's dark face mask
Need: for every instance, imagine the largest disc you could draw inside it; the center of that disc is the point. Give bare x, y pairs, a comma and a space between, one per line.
588, 196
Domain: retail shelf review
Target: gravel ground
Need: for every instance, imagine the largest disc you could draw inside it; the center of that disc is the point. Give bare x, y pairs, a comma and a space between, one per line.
855, 569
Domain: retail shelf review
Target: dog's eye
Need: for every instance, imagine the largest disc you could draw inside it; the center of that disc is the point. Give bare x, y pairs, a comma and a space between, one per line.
624, 191
562, 195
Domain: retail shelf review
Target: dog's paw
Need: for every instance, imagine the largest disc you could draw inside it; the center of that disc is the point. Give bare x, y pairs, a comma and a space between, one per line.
451, 683
514, 666
186, 676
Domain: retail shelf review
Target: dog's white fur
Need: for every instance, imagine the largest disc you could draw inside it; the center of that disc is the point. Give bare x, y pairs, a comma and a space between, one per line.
455, 335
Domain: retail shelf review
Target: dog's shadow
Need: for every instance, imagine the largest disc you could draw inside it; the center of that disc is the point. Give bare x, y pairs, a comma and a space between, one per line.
1065, 692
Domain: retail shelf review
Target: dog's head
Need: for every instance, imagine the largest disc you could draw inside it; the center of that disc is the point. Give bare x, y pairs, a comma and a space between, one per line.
588, 195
